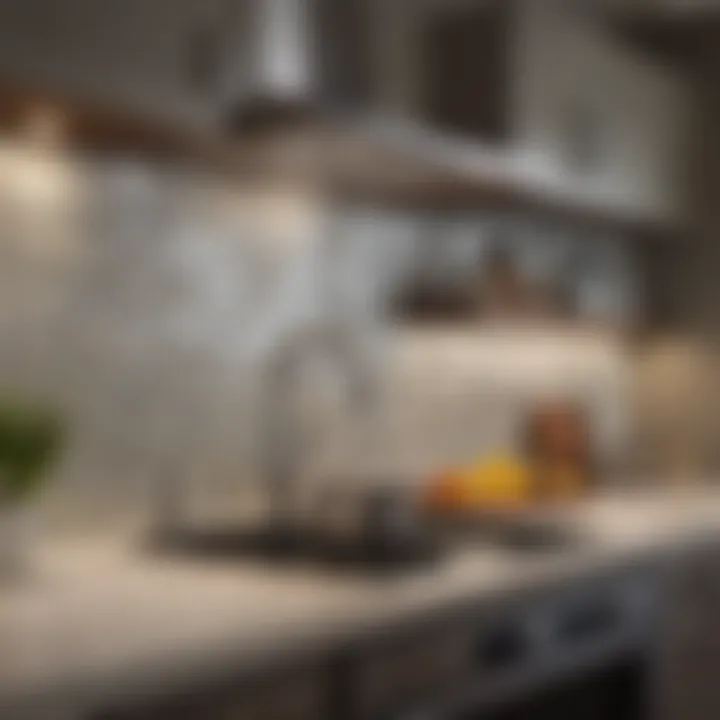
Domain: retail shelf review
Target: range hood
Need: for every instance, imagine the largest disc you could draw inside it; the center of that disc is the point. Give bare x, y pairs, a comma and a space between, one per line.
303, 64
280, 84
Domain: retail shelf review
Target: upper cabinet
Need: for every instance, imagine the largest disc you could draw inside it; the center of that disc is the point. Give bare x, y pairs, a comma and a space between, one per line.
590, 112
579, 115
565, 112
173, 59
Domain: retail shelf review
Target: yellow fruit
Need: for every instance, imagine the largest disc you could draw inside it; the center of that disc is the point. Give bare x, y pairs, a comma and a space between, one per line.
494, 483
498, 481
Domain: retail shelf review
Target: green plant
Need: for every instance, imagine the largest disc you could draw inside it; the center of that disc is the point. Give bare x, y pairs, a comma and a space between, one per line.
30, 440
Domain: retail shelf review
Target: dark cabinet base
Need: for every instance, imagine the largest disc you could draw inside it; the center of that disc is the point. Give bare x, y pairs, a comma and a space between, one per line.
618, 693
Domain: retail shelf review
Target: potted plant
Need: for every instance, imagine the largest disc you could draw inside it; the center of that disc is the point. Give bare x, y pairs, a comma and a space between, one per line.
30, 441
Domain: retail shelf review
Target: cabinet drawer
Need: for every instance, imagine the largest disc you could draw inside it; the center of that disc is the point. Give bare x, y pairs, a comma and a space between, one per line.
301, 697
295, 695
412, 669
690, 703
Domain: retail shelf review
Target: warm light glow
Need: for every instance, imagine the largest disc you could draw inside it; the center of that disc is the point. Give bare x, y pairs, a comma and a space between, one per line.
45, 126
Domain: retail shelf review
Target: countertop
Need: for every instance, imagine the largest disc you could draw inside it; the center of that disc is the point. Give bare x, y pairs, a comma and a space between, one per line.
101, 614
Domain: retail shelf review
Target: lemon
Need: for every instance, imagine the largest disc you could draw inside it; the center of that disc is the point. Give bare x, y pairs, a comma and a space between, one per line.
497, 481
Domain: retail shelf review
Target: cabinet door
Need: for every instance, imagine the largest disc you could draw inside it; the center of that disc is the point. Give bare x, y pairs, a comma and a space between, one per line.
165, 58
689, 682
412, 669
465, 71
300, 694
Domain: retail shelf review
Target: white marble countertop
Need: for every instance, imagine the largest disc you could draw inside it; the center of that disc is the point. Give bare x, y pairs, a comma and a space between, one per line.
101, 614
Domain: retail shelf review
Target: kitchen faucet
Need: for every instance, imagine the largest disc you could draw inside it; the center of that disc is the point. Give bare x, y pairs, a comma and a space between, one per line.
335, 337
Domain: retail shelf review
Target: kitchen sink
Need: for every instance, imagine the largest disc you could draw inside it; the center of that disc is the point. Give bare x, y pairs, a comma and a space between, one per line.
294, 547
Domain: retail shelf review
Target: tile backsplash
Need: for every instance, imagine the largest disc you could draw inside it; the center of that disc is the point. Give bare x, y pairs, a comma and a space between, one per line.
142, 298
